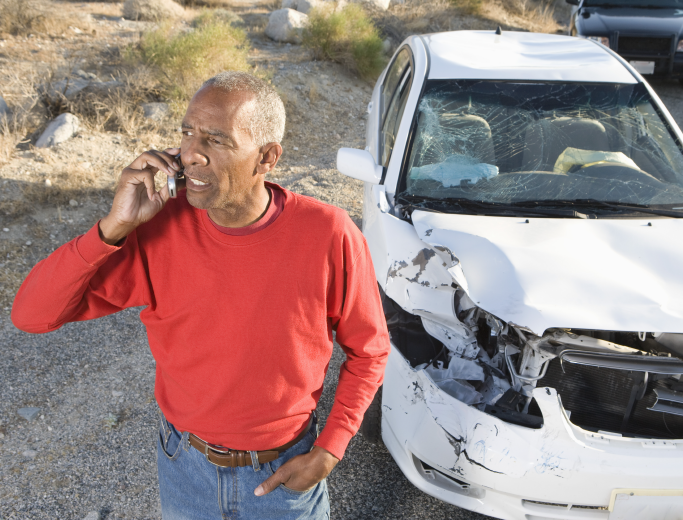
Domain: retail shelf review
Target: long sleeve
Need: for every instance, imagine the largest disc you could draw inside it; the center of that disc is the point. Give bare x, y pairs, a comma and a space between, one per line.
362, 334
82, 280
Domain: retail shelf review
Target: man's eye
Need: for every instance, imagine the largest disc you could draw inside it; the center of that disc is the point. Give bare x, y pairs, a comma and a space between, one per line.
187, 132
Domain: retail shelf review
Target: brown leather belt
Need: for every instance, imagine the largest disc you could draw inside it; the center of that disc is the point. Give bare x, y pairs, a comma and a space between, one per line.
238, 458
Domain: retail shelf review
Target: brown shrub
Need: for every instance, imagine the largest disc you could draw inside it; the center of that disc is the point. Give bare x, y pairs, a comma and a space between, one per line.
22, 17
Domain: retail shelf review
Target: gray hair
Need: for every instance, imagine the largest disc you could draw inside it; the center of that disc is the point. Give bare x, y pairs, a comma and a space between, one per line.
267, 123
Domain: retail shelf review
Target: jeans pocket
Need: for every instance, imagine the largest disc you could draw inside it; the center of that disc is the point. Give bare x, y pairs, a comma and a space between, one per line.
170, 440
295, 492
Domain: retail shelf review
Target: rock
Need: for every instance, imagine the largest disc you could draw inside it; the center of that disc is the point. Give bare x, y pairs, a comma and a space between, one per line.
380, 4
305, 6
67, 87
289, 4
4, 109
284, 25
73, 203
86, 75
30, 454
151, 10
29, 413
92, 515
155, 111
116, 393
58, 131
387, 45
28, 242
48, 183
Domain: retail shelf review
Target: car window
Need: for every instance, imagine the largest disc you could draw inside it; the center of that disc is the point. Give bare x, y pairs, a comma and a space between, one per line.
506, 142
394, 115
392, 79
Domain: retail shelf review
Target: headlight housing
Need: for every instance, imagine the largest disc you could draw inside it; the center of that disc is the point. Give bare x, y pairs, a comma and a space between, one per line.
601, 39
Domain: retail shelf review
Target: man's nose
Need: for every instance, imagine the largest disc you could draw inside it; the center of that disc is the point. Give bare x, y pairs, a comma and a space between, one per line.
191, 156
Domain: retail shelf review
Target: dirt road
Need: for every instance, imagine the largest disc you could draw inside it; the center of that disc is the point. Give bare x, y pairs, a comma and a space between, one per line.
91, 447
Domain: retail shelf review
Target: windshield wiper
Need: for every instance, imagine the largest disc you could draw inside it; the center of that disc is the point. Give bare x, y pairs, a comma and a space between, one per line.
600, 204
469, 206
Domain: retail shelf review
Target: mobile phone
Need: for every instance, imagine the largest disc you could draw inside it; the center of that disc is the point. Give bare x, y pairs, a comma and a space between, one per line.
172, 182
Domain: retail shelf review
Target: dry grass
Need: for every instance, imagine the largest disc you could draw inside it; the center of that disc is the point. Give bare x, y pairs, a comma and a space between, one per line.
468, 6
181, 61
119, 110
23, 17
348, 37
21, 120
425, 16
538, 14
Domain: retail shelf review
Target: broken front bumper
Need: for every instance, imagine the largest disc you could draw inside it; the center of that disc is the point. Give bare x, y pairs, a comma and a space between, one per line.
470, 459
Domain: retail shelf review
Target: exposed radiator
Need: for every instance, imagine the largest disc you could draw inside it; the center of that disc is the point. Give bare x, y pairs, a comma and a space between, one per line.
598, 399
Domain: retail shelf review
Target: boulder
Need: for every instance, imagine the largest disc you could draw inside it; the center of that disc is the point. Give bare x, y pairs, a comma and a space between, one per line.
379, 4
151, 10
284, 25
72, 86
59, 130
155, 111
67, 87
290, 4
305, 6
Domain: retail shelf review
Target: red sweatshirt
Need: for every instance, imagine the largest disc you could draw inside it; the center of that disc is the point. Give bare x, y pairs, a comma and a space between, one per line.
240, 326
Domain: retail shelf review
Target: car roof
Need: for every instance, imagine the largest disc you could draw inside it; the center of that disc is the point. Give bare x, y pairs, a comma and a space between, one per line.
522, 56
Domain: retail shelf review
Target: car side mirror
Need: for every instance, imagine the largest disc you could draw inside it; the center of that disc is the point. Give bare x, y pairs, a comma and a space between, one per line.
359, 164
572, 2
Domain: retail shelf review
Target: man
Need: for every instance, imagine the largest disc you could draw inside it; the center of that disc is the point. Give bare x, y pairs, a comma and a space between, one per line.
243, 284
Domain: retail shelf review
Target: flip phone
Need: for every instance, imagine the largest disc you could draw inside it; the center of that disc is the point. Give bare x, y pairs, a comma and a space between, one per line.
172, 182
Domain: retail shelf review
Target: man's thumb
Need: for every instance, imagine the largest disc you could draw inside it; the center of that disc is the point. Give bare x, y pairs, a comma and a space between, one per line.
269, 484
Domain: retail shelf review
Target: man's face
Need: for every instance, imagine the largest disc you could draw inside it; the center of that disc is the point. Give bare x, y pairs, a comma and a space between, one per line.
218, 152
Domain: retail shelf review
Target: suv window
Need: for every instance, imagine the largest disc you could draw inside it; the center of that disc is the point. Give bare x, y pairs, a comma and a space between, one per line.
394, 96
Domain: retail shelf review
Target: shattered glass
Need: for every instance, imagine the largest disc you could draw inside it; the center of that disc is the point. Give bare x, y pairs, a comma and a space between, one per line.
507, 142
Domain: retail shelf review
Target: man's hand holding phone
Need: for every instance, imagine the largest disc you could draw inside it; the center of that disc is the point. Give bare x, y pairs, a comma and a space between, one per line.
136, 200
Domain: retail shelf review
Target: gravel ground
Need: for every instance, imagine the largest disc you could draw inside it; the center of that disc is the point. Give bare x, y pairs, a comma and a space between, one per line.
90, 450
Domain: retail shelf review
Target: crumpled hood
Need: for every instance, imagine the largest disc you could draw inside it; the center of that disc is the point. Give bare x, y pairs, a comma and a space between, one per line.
631, 21
569, 273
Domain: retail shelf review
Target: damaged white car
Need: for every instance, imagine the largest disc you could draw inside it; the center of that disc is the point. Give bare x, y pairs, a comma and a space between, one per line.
523, 201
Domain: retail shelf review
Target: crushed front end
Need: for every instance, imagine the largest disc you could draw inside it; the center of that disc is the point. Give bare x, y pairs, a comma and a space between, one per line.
496, 418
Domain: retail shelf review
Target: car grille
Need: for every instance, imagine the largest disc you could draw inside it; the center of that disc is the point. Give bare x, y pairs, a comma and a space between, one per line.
598, 399
637, 45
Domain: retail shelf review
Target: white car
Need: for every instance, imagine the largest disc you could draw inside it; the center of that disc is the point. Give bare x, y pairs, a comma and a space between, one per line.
522, 203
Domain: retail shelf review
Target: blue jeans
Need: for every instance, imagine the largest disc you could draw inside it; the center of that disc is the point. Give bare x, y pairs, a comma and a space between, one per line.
191, 488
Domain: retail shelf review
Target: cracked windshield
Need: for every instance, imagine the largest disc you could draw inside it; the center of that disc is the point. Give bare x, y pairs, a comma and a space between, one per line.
504, 142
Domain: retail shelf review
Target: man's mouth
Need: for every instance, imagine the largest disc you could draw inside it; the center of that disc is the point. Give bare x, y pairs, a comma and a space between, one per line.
196, 184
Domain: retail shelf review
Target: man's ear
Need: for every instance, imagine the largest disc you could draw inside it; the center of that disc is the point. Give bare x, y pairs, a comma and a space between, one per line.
270, 155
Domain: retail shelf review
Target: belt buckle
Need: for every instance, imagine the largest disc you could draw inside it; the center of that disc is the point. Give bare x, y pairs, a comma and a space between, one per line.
208, 447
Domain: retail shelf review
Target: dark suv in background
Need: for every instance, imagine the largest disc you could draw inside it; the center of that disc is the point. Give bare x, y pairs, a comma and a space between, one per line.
647, 33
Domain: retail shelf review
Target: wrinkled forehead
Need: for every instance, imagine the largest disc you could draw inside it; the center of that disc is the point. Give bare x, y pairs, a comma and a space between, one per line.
217, 108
